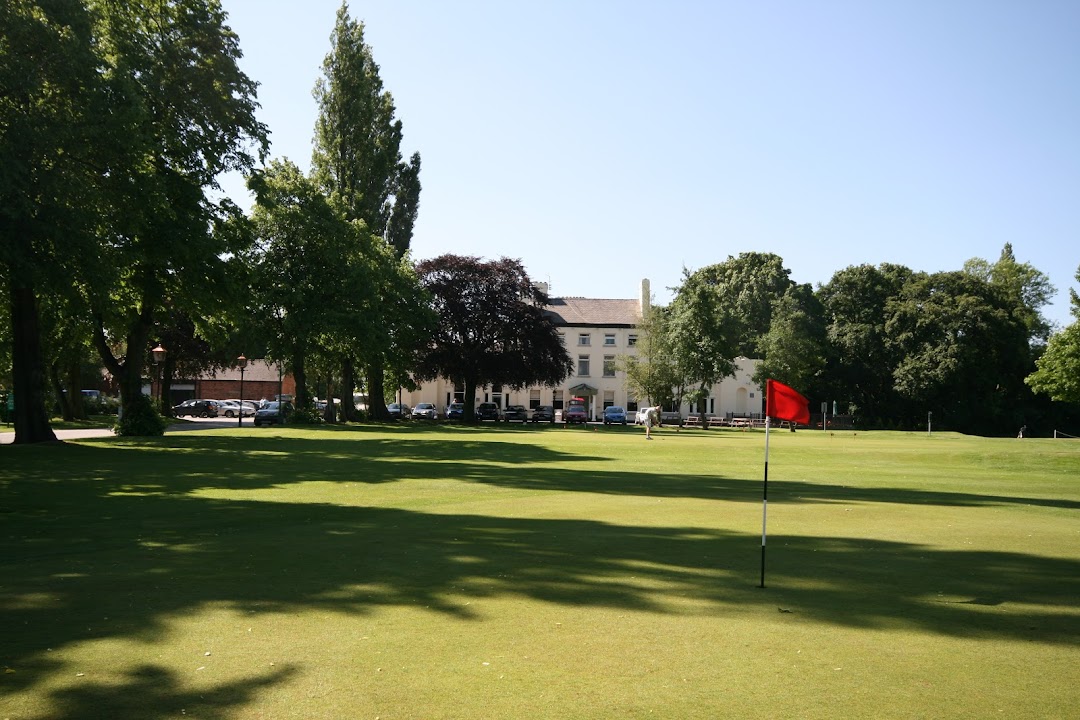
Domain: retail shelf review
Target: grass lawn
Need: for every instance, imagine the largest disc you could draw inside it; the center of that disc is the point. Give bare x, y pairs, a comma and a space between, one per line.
496, 572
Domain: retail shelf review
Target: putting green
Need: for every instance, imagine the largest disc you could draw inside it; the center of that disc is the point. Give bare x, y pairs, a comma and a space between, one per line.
453, 572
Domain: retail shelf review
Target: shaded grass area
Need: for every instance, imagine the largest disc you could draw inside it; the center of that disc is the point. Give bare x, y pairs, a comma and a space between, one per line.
537, 573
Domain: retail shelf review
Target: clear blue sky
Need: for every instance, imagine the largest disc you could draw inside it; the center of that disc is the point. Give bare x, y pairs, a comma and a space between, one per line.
602, 142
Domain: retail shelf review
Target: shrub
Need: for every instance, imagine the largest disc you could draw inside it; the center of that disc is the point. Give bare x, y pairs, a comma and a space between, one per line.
140, 419
305, 416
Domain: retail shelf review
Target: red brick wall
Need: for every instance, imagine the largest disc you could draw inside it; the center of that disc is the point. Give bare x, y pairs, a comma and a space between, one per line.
253, 389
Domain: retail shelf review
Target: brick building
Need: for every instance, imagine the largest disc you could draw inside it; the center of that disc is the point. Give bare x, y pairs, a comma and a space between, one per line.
263, 380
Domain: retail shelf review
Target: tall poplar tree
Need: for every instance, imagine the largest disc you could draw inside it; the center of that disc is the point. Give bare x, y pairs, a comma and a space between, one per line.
357, 161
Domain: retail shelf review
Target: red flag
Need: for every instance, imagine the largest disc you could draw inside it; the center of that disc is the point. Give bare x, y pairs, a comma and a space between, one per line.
785, 403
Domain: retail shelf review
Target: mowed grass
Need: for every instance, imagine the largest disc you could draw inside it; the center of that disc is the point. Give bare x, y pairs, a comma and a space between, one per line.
451, 572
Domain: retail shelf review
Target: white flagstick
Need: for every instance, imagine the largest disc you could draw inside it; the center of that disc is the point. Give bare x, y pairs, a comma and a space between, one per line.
765, 501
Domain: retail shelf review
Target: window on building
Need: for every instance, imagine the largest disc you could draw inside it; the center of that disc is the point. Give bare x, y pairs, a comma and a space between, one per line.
609, 398
556, 400
631, 404
562, 338
583, 365
584, 339
534, 399
609, 366
609, 339
631, 341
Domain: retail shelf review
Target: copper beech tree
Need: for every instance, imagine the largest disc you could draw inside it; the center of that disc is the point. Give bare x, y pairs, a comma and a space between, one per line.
492, 327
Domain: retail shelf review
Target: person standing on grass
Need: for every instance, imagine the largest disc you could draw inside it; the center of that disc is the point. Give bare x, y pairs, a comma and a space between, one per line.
652, 417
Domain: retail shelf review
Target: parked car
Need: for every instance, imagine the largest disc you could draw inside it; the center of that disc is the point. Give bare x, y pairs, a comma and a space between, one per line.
614, 415
575, 414
424, 411
670, 417
274, 413
516, 413
399, 411
233, 408
196, 408
455, 411
544, 413
488, 411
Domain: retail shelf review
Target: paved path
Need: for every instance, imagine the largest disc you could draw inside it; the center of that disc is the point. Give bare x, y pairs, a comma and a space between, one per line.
6, 438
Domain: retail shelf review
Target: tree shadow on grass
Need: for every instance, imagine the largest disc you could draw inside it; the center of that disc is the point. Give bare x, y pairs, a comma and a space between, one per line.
180, 464
150, 691
120, 547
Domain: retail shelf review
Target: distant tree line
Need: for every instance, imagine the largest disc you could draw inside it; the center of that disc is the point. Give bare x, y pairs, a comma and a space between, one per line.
888, 344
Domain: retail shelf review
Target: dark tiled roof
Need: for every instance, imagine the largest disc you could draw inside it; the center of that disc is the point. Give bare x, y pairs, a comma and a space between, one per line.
578, 311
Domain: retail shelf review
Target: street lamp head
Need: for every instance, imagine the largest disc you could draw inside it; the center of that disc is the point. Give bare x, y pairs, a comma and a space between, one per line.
159, 354
242, 362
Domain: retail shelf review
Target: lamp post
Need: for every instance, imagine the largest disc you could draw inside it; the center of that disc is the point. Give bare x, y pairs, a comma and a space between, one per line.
159, 354
929, 419
242, 361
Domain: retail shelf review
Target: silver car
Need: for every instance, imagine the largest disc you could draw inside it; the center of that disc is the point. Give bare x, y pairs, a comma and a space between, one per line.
424, 411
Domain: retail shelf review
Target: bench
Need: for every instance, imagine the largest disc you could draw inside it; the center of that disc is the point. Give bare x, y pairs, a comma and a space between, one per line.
693, 420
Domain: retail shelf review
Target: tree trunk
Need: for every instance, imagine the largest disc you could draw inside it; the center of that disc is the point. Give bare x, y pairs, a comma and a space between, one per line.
63, 395
128, 374
376, 397
348, 387
300, 375
130, 377
329, 415
28, 369
468, 414
74, 385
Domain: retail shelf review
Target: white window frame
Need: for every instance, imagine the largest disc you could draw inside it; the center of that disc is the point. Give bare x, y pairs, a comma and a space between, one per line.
609, 366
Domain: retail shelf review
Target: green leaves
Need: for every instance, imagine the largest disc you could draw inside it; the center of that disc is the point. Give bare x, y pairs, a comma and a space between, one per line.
1058, 369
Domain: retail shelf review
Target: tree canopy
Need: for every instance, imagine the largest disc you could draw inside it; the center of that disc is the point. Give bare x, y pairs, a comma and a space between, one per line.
492, 328
1058, 369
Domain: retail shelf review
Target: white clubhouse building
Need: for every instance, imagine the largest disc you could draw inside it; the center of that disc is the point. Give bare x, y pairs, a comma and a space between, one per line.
596, 333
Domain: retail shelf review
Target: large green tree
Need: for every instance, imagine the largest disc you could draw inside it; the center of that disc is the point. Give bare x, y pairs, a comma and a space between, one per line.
860, 362
963, 352
307, 254
492, 328
1021, 284
702, 334
1058, 369
744, 288
55, 131
193, 118
793, 350
357, 161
